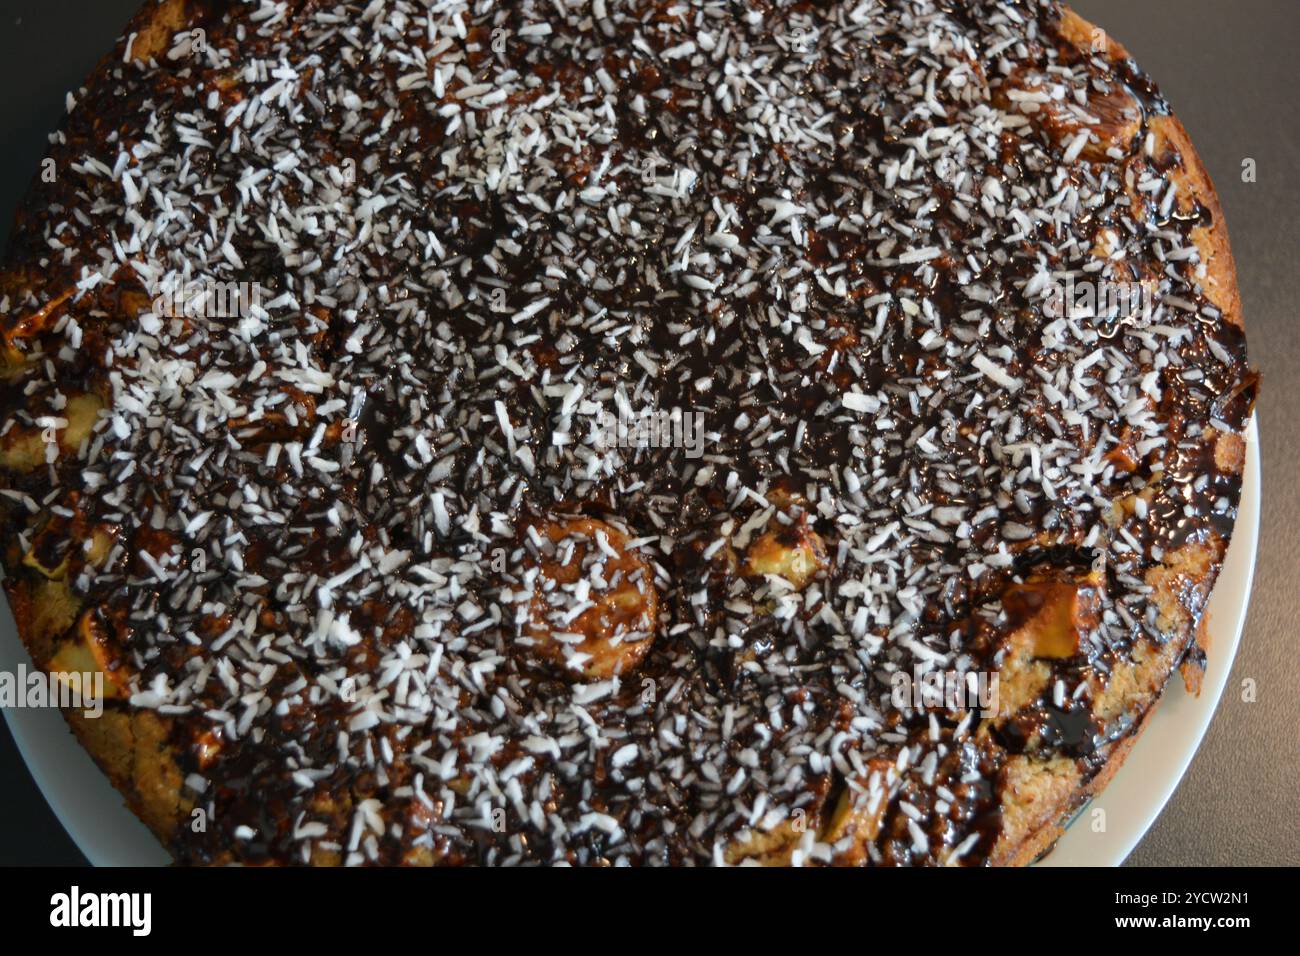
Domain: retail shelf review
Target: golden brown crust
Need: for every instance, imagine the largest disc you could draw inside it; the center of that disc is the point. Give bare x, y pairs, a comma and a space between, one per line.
1060, 807
1195, 187
1194, 183
154, 28
131, 747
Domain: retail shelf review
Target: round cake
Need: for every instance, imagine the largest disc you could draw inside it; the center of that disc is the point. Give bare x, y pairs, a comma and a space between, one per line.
618, 432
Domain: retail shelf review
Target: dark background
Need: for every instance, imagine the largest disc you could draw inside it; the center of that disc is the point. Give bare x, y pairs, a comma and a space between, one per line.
1228, 67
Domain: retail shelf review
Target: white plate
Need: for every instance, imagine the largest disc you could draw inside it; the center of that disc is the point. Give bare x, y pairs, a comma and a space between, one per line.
110, 835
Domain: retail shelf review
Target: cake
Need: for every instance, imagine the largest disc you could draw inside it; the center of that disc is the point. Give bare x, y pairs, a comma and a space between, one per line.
608, 433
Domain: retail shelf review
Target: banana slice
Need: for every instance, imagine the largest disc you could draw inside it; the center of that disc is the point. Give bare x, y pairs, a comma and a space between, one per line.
89, 652
92, 553
31, 325
25, 448
848, 829
855, 822
774, 847
791, 551
1054, 615
594, 604
1048, 621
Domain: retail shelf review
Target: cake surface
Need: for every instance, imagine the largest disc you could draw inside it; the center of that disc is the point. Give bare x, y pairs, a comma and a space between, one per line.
618, 432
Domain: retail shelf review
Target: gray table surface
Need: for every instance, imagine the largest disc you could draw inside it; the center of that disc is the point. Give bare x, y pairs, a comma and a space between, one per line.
1228, 67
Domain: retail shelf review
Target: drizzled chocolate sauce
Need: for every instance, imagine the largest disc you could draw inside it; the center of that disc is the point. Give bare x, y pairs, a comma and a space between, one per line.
826, 228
